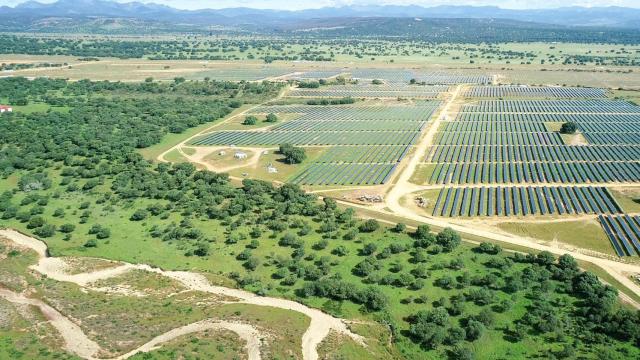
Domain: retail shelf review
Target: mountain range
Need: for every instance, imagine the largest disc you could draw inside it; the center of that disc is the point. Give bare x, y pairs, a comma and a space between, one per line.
31, 11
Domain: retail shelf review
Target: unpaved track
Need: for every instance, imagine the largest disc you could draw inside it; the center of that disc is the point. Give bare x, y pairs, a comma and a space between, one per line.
75, 341
320, 323
246, 332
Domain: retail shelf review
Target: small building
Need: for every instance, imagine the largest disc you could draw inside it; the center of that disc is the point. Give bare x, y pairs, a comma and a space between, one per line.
240, 155
222, 153
271, 169
5, 108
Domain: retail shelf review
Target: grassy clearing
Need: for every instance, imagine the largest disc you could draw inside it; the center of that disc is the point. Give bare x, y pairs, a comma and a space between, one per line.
14, 264
628, 198
422, 174
336, 346
285, 171
284, 328
429, 199
174, 156
225, 157
553, 126
585, 234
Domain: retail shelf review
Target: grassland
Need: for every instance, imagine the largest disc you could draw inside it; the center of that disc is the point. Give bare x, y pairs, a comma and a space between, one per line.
582, 234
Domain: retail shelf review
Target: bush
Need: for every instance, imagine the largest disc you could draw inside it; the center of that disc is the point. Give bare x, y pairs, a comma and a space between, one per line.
46, 230
91, 243
400, 228
139, 215
488, 248
67, 228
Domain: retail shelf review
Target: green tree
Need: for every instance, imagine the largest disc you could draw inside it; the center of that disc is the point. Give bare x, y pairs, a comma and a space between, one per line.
448, 239
250, 120
271, 118
369, 225
569, 127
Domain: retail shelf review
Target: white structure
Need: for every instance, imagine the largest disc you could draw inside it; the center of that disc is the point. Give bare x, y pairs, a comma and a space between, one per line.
5, 108
222, 152
240, 155
271, 169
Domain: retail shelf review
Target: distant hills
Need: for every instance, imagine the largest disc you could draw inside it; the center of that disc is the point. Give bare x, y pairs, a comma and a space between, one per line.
109, 16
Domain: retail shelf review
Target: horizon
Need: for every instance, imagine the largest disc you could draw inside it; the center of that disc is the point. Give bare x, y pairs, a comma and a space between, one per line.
309, 5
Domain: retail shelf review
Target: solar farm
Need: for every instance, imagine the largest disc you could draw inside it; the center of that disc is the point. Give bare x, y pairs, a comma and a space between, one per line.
364, 142
367, 90
500, 155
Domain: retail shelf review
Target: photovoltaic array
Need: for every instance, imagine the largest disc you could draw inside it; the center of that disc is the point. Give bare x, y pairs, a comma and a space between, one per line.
364, 143
494, 156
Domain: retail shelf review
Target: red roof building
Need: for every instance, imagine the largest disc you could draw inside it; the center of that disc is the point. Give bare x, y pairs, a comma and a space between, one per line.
5, 108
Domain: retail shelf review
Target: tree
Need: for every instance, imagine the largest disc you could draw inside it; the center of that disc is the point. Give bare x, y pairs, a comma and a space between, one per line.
488, 248
67, 228
569, 127
91, 243
448, 239
202, 249
428, 328
373, 299
369, 226
474, 329
400, 228
369, 249
46, 230
250, 120
252, 263
462, 353
271, 118
292, 154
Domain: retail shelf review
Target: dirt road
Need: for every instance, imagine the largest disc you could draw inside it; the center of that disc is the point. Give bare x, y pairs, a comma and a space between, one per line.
320, 323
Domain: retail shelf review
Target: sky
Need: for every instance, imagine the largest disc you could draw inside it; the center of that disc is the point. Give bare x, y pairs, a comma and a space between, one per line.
306, 4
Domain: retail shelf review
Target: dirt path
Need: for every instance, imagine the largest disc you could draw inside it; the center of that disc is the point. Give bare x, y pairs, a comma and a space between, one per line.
320, 323
74, 338
246, 332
